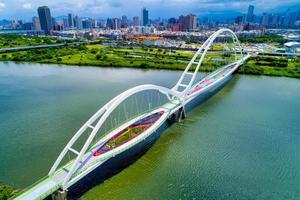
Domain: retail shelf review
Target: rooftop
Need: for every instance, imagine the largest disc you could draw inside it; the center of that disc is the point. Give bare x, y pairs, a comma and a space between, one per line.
292, 44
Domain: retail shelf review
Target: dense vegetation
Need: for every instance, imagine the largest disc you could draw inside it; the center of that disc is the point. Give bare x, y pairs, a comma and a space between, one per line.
96, 55
145, 57
264, 39
272, 66
6, 192
12, 40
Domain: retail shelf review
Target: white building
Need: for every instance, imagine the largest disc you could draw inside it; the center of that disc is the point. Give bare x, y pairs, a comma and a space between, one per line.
292, 47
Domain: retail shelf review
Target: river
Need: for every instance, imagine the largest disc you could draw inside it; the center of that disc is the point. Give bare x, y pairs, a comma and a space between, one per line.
243, 143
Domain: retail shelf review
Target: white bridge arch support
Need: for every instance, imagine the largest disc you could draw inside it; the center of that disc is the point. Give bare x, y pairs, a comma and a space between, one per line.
200, 54
100, 117
102, 114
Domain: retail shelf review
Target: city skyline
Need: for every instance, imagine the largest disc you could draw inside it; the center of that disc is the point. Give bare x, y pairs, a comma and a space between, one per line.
159, 8
184, 23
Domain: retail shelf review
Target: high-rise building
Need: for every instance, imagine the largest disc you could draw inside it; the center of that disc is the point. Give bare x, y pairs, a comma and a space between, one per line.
192, 21
78, 22
172, 21
265, 19
250, 14
135, 21
124, 22
239, 20
20, 22
145, 17
116, 23
94, 23
109, 23
70, 20
275, 21
36, 23
27, 26
54, 23
289, 19
101, 23
65, 22
87, 24
45, 19
187, 23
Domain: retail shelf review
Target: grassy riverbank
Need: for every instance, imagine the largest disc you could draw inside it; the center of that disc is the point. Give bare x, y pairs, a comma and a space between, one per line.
11, 40
152, 58
272, 66
96, 55
6, 191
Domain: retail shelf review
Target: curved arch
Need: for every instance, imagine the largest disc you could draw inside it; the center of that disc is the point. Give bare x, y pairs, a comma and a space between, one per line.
201, 51
100, 116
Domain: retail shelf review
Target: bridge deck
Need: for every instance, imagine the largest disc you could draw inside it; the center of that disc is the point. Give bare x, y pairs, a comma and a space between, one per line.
48, 185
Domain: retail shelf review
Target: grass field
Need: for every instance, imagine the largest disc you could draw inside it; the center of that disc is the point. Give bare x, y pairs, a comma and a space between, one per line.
10, 40
272, 66
154, 58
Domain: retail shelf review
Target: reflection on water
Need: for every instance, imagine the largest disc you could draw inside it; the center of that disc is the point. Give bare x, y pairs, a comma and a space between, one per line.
241, 144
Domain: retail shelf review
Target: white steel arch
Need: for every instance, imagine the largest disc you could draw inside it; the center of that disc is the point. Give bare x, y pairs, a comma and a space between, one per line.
100, 116
200, 54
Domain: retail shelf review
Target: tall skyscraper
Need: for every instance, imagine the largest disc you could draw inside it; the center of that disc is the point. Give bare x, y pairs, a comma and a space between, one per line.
116, 23
109, 23
145, 17
45, 19
187, 23
78, 22
94, 23
87, 24
36, 23
289, 19
65, 23
135, 21
70, 20
124, 23
265, 19
275, 20
250, 14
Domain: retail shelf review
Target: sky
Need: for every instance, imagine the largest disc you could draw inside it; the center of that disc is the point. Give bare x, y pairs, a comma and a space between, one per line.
101, 9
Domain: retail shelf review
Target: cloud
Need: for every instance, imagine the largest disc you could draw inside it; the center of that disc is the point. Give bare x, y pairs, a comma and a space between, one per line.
27, 6
115, 4
2, 5
25, 9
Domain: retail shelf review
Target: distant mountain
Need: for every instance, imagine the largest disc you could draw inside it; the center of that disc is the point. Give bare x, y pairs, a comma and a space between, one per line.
221, 15
4, 22
285, 9
59, 18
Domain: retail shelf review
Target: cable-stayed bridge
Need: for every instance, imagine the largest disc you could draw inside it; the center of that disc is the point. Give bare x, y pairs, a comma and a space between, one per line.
133, 120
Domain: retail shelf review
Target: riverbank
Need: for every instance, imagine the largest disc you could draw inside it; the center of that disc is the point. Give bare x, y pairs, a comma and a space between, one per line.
6, 191
150, 58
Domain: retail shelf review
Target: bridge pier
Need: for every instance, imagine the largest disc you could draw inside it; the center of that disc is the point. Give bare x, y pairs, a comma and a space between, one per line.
59, 195
181, 114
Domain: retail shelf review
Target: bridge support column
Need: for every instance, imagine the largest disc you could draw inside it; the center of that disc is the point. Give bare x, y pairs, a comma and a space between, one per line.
59, 195
181, 114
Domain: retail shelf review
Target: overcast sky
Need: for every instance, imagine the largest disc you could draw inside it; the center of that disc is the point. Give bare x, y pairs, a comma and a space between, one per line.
25, 9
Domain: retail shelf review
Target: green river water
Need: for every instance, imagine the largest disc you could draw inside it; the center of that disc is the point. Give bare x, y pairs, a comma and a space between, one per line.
243, 143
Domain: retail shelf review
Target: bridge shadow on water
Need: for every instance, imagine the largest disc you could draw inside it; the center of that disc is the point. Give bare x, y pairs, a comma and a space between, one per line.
108, 169
118, 163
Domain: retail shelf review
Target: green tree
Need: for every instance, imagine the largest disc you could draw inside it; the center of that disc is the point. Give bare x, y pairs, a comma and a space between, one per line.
6, 192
